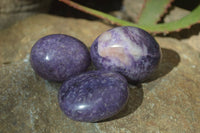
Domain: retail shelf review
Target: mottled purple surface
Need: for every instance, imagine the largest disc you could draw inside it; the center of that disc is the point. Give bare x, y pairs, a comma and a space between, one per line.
128, 50
57, 57
93, 96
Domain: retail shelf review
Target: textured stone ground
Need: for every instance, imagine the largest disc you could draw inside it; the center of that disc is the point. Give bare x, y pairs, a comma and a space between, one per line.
169, 103
12, 11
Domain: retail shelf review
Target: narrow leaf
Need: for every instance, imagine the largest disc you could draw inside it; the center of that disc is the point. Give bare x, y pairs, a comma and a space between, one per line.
185, 22
153, 10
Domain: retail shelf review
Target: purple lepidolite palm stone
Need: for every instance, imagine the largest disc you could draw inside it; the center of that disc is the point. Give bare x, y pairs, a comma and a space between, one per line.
93, 96
57, 57
128, 50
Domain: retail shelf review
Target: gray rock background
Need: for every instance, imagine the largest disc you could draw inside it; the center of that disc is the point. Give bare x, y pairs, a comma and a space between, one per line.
12, 11
168, 103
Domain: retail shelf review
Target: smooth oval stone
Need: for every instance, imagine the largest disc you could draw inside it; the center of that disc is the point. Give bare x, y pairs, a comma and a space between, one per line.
93, 96
128, 50
57, 57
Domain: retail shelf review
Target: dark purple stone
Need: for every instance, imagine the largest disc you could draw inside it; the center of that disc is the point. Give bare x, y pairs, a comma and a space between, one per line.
128, 50
57, 57
93, 96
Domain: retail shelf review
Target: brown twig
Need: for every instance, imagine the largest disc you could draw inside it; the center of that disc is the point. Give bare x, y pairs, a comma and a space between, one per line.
88, 11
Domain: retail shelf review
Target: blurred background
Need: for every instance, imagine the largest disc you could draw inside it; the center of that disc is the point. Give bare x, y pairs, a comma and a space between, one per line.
12, 11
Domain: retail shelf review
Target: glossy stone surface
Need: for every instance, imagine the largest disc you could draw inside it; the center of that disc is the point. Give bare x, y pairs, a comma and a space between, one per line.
57, 57
128, 50
93, 96
170, 103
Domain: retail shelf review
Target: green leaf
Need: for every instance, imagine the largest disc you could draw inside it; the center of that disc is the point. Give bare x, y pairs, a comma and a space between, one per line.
185, 22
153, 10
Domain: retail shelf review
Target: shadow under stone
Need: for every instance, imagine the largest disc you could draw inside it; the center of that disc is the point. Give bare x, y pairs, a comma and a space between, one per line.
169, 60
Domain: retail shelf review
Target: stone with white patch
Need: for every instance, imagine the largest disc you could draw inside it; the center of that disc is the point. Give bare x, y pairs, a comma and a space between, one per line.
128, 50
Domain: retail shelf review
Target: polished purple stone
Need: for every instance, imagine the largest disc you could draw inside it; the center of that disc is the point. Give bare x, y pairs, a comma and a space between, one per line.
93, 96
128, 50
57, 57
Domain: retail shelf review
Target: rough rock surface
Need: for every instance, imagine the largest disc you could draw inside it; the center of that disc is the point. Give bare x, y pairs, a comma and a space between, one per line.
176, 13
192, 37
132, 8
12, 11
169, 103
